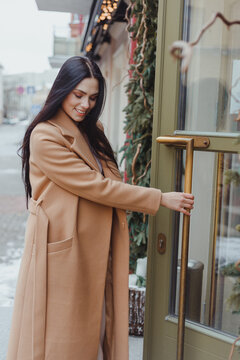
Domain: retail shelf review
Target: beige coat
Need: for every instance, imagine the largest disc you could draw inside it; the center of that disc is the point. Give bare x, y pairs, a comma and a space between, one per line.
76, 247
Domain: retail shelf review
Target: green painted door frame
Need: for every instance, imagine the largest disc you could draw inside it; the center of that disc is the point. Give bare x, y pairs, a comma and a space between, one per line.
160, 330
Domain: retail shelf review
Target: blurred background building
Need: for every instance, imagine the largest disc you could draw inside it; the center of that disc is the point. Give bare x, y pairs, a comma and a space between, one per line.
1, 94
25, 93
67, 40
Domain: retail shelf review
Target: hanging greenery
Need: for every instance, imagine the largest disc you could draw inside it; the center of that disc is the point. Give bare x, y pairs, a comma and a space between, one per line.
139, 113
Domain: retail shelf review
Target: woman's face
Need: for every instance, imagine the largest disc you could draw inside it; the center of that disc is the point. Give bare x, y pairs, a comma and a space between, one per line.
80, 101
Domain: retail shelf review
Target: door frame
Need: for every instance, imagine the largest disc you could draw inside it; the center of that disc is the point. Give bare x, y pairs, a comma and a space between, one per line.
160, 330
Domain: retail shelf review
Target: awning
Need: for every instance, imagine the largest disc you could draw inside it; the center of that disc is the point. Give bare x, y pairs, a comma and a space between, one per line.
71, 6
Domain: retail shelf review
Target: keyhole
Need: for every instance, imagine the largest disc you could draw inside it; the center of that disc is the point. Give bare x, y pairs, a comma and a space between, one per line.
161, 243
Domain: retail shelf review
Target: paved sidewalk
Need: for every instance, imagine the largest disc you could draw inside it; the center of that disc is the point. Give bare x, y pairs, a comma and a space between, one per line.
135, 348
5, 316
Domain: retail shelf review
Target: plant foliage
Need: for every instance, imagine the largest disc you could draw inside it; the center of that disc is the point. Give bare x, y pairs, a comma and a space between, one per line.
233, 301
139, 112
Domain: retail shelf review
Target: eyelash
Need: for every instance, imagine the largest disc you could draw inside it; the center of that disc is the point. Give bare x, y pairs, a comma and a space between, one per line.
79, 97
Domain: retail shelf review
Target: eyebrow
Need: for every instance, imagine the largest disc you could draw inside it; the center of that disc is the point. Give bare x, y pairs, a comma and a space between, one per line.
86, 93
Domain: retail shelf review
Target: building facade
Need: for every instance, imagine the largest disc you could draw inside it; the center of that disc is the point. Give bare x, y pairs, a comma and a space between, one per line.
67, 40
25, 93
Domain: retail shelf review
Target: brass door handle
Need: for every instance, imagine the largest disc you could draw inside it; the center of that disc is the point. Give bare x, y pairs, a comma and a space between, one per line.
199, 142
187, 143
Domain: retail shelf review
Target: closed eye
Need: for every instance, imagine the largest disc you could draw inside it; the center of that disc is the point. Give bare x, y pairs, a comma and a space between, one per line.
79, 97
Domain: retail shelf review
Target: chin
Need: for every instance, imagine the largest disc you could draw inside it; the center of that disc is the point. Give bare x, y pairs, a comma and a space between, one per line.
77, 118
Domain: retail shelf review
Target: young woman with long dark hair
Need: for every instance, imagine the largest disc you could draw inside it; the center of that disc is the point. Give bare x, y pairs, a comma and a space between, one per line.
71, 301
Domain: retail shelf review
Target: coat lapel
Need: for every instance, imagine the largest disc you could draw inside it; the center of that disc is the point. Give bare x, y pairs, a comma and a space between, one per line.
78, 142
80, 145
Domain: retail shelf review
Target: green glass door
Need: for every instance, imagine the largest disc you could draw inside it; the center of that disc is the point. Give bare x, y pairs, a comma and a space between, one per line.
204, 106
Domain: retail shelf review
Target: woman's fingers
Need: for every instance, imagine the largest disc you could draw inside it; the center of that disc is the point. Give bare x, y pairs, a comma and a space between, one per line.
188, 201
185, 212
188, 196
188, 206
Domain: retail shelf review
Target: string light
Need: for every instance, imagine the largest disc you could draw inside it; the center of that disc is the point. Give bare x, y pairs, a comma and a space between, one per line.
89, 47
108, 7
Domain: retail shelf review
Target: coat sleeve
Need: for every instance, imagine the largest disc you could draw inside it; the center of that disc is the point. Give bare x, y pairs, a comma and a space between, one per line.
64, 167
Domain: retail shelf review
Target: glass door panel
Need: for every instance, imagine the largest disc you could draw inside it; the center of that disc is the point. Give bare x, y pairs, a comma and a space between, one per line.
213, 280
206, 101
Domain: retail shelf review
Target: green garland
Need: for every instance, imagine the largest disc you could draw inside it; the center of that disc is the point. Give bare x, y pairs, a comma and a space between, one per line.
139, 112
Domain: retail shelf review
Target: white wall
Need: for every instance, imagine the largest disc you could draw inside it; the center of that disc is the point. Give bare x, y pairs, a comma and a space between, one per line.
114, 66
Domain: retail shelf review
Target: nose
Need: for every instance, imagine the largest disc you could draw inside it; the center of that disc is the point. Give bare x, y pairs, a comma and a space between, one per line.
85, 103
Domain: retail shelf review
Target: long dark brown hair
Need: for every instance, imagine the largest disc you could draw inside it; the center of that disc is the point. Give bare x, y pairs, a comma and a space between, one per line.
74, 70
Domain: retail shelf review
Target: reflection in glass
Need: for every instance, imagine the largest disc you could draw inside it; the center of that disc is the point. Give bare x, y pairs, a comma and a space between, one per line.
213, 281
210, 98
225, 312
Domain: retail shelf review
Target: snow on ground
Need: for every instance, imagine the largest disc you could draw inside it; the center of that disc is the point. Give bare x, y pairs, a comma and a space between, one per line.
9, 268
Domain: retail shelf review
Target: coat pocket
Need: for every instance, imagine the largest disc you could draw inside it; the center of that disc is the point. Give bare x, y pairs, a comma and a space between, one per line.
54, 247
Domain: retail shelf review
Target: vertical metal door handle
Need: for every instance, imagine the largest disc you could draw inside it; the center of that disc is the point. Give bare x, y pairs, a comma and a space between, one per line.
187, 143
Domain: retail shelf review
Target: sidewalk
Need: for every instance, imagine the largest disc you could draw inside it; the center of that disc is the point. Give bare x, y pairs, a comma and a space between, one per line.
13, 217
5, 316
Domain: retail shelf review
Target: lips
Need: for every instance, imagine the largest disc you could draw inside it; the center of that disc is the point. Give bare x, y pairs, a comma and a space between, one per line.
80, 112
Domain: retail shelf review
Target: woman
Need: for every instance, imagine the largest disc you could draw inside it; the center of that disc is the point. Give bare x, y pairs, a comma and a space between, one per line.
71, 300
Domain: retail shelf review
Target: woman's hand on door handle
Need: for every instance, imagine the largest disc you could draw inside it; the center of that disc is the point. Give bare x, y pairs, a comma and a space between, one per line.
178, 201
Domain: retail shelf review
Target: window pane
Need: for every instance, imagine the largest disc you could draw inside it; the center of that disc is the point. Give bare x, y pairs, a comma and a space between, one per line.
213, 281
210, 100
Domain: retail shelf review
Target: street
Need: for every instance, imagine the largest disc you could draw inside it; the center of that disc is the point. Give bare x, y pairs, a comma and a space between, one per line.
13, 217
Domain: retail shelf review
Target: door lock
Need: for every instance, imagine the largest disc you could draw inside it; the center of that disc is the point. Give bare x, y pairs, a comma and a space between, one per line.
161, 243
